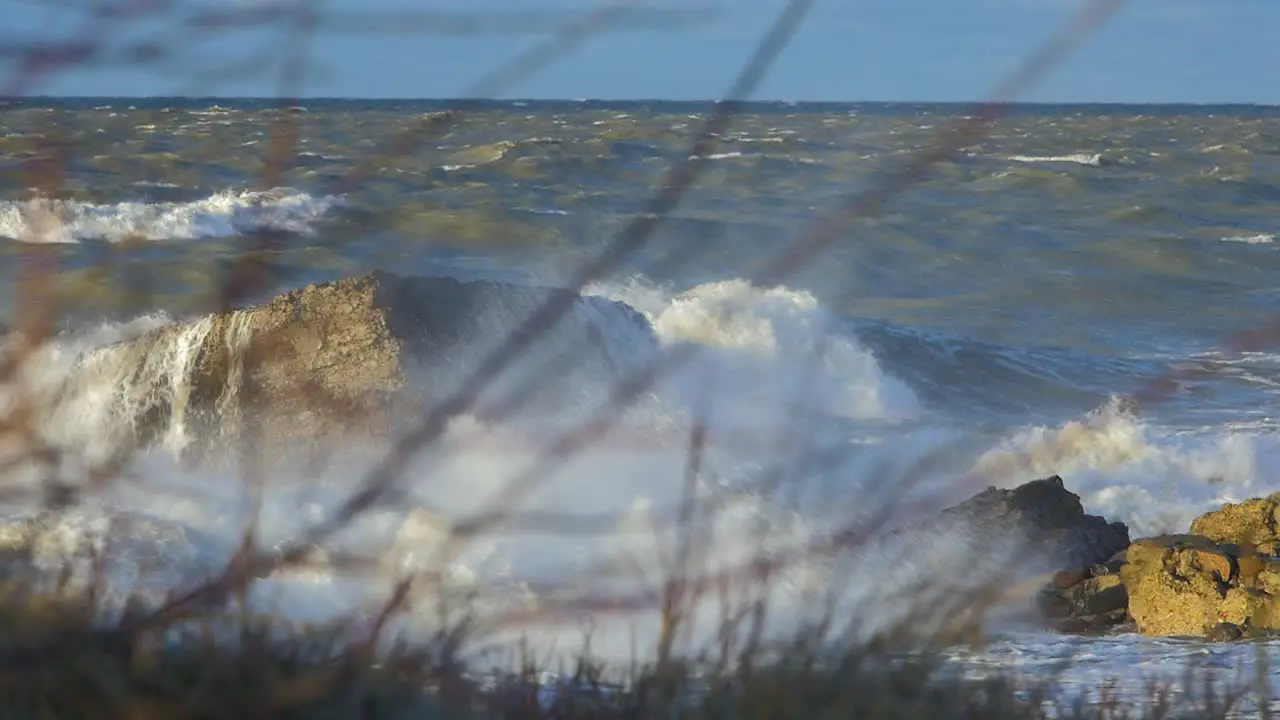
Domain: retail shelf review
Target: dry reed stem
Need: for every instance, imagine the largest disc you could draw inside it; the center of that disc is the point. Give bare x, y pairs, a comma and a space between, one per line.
864, 204
253, 275
384, 476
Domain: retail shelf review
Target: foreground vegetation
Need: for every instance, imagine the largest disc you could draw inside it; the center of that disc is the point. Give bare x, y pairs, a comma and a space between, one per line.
61, 660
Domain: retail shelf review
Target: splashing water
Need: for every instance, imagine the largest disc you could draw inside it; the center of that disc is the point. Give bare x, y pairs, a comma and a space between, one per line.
755, 348
224, 214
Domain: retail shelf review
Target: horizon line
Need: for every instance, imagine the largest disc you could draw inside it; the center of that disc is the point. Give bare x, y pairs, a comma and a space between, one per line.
763, 101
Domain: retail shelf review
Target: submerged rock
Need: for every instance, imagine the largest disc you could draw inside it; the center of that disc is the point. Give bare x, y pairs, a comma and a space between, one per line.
350, 356
123, 553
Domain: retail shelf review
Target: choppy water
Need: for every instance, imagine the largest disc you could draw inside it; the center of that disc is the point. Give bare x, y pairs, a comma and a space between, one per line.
1068, 258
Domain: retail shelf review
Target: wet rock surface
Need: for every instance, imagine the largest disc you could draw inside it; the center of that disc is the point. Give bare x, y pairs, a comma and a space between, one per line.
1252, 522
1219, 582
1044, 518
990, 550
356, 355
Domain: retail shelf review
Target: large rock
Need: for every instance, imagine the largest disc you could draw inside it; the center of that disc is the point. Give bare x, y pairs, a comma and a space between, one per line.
1188, 585
1250, 523
1042, 520
987, 554
353, 355
1220, 582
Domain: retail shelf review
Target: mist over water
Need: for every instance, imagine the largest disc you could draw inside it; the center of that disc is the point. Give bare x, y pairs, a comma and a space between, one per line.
1000, 312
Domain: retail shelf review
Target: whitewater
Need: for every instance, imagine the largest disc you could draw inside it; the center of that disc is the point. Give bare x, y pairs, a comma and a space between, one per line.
1002, 328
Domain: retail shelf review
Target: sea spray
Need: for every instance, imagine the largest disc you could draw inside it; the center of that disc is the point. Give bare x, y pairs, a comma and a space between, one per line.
224, 214
751, 342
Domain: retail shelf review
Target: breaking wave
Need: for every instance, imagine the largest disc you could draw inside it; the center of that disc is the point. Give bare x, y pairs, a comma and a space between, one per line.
1090, 159
1255, 239
224, 214
764, 359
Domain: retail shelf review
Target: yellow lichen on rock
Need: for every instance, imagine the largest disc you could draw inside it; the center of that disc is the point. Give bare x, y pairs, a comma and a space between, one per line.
1178, 585
1251, 523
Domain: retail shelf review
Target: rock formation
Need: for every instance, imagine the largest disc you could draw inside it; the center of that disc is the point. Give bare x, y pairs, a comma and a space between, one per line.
1044, 518
340, 357
362, 355
1252, 522
983, 557
1088, 599
1220, 582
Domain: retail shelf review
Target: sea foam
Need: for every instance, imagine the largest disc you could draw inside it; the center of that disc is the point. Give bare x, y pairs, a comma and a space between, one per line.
223, 214
763, 360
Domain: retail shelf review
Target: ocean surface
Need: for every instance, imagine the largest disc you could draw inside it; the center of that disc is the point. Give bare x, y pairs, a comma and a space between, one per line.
1007, 306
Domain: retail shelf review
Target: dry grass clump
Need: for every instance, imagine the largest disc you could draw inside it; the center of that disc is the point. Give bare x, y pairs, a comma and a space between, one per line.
62, 657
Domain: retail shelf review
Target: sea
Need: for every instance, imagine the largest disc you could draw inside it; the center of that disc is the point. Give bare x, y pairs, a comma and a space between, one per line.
1003, 318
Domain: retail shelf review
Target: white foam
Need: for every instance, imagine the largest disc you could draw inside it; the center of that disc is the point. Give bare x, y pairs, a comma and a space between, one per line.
223, 214
1255, 239
1091, 159
757, 351
1086, 667
755, 343
1153, 480
758, 347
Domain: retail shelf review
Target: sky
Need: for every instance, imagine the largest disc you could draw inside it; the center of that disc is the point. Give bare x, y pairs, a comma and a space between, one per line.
1195, 51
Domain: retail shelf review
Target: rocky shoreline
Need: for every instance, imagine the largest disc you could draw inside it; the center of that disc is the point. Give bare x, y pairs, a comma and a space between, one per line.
344, 356
348, 358
1219, 581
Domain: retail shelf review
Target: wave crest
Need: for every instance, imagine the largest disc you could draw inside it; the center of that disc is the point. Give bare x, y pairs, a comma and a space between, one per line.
223, 214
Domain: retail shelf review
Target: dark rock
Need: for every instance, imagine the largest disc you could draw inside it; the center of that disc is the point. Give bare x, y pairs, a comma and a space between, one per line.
1098, 596
1039, 527
1046, 519
998, 545
1114, 621
1054, 605
1064, 579
1095, 603
1225, 632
